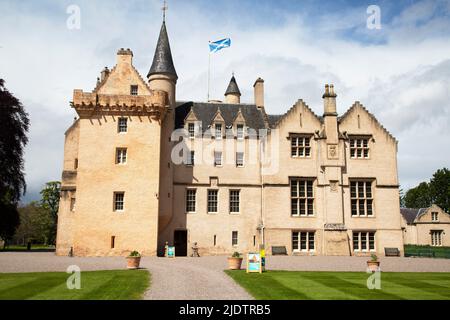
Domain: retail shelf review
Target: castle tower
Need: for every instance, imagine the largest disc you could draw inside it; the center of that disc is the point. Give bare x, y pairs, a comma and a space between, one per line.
163, 76
233, 94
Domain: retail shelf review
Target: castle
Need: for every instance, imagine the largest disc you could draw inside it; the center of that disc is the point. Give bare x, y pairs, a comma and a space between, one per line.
142, 169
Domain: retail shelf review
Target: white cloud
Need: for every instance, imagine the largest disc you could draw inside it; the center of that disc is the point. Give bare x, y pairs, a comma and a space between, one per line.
404, 80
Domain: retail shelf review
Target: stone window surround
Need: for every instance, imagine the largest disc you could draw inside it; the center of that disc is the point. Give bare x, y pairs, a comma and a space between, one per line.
436, 238
122, 125
188, 201
314, 185
230, 200
434, 216
234, 238
119, 201
216, 200
121, 156
298, 234
362, 137
367, 234
307, 137
134, 90
372, 198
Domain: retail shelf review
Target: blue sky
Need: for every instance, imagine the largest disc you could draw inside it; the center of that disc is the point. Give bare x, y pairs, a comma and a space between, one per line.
401, 73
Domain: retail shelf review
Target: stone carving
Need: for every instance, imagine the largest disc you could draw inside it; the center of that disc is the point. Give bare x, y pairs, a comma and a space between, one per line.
332, 151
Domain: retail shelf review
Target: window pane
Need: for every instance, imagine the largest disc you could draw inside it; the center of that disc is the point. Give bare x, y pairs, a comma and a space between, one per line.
295, 241
371, 241
355, 241
303, 240
302, 207
311, 240
354, 208
294, 206
310, 207
362, 211
369, 208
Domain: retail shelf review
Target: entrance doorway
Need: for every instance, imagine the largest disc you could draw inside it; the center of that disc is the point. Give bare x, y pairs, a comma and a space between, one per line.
180, 243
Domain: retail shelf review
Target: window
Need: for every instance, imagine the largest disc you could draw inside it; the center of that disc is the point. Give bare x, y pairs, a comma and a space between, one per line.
123, 125
364, 241
218, 131
217, 158
121, 156
119, 201
302, 197
234, 201
215, 240
212, 201
234, 238
436, 238
361, 198
76, 164
254, 241
191, 130
240, 131
359, 148
134, 90
239, 159
303, 241
434, 216
113, 242
190, 161
300, 147
72, 204
190, 200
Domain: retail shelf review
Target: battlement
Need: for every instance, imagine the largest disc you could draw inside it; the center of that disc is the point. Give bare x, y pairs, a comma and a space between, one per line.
153, 105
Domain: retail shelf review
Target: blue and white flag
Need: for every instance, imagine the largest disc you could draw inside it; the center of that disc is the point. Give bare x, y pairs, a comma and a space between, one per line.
219, 45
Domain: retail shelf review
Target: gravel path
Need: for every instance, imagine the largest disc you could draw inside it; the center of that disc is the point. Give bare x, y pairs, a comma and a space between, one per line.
203, 278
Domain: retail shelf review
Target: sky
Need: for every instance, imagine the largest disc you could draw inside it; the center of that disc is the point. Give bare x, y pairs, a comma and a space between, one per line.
400, 72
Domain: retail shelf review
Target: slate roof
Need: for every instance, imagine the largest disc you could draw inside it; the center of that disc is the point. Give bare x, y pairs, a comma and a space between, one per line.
162, 61
233, 87
205, 112
273, 119
410, 214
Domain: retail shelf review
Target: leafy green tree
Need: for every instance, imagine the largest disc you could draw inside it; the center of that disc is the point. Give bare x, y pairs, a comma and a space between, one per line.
35, 224
418, 197
13, 138
50, 202
440, 188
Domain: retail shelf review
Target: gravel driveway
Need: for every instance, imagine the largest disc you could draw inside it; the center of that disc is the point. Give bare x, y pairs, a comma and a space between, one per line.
203, 278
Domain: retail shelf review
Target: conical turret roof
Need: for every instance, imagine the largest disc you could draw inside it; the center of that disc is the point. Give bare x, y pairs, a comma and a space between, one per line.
233, 87
162, 61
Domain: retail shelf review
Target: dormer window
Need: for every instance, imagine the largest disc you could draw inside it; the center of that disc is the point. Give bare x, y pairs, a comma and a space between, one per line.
191, 130
434, 216
218, 131
240, 131
134, 90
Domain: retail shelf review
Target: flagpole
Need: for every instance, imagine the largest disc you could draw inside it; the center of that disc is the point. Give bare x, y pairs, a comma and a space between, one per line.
209, 72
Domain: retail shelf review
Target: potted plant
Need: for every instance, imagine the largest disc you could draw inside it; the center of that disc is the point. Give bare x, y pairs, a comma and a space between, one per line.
373, 264
133, 260
235, 261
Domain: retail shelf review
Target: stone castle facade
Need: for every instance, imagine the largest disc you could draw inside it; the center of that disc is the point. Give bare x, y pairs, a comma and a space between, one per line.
142, 169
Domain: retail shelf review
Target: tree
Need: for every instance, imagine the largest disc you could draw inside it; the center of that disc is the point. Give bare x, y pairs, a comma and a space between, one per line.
50, 203
13, 138
35, 224
437, 191
418, 197
440, 188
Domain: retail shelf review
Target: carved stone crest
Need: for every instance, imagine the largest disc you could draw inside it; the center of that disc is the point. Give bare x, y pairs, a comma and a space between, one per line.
333, 151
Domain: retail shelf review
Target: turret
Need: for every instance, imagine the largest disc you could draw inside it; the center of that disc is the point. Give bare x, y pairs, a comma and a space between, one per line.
233, 94
162, 74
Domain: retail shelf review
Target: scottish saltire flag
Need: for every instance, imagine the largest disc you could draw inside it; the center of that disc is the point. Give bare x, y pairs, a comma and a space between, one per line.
219, 45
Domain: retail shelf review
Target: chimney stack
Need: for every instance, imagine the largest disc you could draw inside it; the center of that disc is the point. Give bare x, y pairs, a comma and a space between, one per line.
329, 100
104, 74
259, 93
124, 56
330, 115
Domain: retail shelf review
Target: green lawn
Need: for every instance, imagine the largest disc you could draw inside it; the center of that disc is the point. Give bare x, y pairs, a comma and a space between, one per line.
35, 247
296, 285
95, 285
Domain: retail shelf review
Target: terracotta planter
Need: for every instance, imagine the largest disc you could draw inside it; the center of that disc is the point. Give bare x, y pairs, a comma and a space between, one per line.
133, 262
373, 265
234, 263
